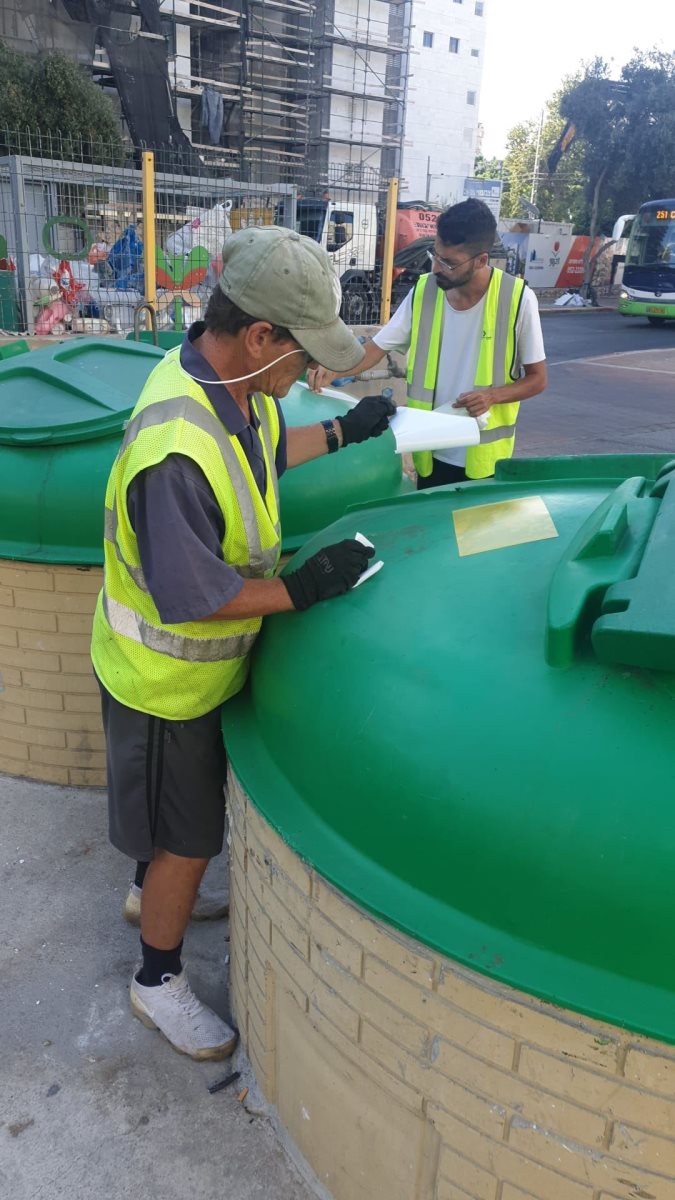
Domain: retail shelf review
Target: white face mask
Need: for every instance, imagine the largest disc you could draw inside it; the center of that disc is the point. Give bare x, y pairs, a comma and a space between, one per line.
242, 378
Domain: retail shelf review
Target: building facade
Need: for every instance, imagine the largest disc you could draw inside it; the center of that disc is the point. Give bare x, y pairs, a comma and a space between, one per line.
441, 120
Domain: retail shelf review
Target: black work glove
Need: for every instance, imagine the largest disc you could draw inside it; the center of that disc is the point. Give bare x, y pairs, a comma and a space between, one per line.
368, 419
331, 572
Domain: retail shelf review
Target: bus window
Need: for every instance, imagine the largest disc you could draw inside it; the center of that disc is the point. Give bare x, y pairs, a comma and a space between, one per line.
652, 239
340, 229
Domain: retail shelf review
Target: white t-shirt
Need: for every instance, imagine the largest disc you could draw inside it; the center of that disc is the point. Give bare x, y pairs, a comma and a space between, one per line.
460, 347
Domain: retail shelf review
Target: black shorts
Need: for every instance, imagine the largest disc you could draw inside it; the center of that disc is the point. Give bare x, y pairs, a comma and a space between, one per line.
165, 782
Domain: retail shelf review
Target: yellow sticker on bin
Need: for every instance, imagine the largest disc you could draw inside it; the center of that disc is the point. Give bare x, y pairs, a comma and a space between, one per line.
505, 523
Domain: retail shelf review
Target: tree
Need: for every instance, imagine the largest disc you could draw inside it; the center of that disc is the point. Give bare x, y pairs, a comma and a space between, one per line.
625, 130
487, 168
518, 166
559, 198
53, 106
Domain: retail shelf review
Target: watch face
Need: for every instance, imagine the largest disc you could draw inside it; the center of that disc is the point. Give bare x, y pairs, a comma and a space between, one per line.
331, 436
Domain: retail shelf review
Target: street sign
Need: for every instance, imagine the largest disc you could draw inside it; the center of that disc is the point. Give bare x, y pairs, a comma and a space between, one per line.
487, 190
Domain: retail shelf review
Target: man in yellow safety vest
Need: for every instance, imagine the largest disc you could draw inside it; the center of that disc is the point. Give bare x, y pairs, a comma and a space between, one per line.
473, 338
192, 540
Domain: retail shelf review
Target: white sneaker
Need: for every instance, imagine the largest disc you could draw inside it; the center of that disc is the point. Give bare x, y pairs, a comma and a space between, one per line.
188, 1025
204, 909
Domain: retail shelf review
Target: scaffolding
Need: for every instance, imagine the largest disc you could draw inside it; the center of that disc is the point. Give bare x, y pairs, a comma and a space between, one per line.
311, 91
305, 91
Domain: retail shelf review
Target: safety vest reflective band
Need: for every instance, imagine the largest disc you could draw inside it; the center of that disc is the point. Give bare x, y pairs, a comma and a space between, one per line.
496, 367
180, 671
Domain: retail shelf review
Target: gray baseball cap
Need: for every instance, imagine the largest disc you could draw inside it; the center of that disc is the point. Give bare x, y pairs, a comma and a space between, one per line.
280, 276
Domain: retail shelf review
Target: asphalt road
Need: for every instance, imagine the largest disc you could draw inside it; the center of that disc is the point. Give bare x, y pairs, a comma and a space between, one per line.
611, 388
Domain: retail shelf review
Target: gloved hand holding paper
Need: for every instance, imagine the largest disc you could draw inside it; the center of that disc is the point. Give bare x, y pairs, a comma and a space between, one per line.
415, 429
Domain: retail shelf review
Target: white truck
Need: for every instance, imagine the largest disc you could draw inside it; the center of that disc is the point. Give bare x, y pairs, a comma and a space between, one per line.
349, 233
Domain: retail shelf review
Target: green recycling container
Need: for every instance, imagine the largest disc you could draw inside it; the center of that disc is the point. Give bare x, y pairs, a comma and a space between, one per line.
476, 744
9, 313
63, 409
62, 413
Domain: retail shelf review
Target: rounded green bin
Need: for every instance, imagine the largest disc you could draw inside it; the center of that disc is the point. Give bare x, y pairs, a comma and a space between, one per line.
476, 745
63, 410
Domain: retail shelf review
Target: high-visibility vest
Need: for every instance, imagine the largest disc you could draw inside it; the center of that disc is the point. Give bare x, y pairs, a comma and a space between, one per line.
496, 365
181, 671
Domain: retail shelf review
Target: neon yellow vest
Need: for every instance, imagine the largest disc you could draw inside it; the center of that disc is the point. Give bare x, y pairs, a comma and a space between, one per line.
496, 365
185, 670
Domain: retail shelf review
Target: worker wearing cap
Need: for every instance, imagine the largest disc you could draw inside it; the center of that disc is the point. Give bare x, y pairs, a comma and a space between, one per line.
192, 542
473, 338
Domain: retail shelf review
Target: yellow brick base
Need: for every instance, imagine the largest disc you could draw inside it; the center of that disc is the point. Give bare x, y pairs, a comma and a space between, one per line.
401, 1076
50, 722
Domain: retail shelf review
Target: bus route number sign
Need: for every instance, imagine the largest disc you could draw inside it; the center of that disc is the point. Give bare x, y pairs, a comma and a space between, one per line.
665, 214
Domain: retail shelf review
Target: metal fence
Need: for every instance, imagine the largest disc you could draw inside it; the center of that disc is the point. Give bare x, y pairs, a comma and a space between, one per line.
72, 235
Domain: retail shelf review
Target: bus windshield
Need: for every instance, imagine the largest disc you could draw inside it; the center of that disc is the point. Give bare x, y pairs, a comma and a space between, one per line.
652, 239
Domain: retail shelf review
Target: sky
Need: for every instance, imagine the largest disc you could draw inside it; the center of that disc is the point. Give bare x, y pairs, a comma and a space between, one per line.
530, 47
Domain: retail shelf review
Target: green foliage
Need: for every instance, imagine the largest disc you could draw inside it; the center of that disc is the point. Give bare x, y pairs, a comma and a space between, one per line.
626, 133
487, 168
623, 153
518, 166
51, 106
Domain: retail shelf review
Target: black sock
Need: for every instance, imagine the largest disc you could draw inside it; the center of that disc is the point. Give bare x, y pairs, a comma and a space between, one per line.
157, 963
139, 878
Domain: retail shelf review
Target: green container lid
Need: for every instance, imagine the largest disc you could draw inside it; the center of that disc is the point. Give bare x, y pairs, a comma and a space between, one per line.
414, 741
62, 414
63, 409
75, 391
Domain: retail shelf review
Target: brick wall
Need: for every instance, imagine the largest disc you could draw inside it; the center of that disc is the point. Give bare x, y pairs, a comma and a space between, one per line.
50, 724
401, 1076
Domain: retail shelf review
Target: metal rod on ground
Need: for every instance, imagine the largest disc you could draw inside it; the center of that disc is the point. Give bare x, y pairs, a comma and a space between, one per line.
149, 265
388, 257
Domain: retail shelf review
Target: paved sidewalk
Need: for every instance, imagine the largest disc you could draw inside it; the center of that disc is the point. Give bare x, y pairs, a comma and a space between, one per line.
92, 1104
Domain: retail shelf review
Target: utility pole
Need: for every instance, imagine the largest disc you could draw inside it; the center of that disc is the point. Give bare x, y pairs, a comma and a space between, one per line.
428, 178
537, 154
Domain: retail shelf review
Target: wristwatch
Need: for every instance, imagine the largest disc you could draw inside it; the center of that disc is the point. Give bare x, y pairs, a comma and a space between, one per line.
331, 436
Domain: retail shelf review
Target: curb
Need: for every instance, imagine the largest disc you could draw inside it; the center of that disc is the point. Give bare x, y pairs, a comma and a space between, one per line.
555, 312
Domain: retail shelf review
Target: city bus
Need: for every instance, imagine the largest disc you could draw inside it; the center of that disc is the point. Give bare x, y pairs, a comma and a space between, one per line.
649, 272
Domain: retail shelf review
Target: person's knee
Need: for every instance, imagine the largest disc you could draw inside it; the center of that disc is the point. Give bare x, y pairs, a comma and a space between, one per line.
179, 863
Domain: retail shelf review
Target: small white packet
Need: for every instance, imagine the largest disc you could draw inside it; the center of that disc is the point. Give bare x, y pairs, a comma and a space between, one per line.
372, 570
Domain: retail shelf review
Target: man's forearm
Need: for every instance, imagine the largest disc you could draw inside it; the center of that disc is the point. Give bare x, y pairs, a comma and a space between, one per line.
373, 355
531, 384
305, 442
256, 598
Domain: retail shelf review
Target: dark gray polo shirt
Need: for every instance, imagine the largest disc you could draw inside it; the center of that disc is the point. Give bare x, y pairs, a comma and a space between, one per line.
177, 519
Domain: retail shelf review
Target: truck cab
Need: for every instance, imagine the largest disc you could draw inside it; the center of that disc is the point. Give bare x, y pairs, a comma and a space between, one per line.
348, 233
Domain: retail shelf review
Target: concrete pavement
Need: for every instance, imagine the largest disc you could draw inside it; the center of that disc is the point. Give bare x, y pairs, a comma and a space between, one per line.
93, 1104
610, 389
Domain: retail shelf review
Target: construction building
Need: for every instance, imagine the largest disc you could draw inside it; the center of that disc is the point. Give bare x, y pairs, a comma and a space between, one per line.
309, 91
336, 93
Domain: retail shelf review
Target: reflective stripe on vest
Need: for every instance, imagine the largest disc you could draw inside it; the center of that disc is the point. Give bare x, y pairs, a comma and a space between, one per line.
124, 620
496, 364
